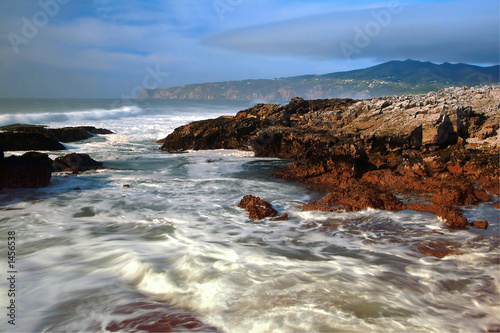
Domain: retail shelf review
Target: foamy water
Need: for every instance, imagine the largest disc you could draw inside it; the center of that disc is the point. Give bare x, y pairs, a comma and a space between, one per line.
176, 241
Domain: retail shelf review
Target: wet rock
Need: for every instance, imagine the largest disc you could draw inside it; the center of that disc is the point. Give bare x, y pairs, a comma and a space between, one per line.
440, 147
76, 163
31, 170
283, 217
451, 216
356, 197
28, 141
480, 224
497, 206
36, 137
156, 317
437, 249
257, 207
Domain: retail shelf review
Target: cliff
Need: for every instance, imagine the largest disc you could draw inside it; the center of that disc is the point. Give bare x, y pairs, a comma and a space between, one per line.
391, 78
440, 147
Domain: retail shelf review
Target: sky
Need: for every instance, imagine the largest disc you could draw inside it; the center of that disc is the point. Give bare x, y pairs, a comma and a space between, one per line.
106, 48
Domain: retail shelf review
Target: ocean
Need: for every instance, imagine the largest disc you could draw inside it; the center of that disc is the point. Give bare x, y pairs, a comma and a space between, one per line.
175, 242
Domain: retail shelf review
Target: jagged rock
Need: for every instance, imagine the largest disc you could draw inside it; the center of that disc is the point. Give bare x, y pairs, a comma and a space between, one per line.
76, 163
442, 146
31, 170
257, 207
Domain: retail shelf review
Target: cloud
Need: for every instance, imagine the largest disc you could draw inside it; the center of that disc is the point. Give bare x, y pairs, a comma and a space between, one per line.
459, 31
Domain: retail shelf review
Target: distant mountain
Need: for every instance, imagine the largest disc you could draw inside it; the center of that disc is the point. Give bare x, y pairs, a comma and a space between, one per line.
390, 78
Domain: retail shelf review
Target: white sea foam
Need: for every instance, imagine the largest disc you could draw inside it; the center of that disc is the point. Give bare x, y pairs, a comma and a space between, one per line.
74, 116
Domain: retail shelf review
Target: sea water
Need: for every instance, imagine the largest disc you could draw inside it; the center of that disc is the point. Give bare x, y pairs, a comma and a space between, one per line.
91, 252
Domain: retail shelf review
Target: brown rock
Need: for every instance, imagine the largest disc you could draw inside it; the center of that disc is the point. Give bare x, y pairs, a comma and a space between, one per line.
497, 206
451, 216
436, 250
480, 224
257, 207
355, 197
283, 217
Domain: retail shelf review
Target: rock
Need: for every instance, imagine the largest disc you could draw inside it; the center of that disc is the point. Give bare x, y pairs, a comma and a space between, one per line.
480, 224
28, 141
31, 170
126, 186
355, 197
155, 317
257, 207
76, 163
451, 216
440, 147
437, 250
73, 134
37, 137
283, 217
497, 206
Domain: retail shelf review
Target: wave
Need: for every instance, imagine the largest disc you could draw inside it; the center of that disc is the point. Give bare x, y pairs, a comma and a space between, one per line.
49, 117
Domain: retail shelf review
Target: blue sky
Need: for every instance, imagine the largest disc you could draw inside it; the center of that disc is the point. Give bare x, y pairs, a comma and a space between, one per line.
105, 48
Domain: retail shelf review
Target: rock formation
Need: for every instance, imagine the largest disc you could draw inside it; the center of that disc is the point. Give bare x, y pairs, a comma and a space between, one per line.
257, 207
439, 148
76, 163
29, 170
36, 137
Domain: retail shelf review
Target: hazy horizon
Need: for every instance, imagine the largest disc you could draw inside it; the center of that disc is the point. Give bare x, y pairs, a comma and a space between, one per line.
103, 49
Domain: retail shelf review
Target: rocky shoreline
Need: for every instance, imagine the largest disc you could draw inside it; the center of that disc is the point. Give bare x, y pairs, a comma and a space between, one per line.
431, 153
34, 169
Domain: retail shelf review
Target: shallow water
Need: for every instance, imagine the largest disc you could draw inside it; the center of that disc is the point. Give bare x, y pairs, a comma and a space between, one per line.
176, 242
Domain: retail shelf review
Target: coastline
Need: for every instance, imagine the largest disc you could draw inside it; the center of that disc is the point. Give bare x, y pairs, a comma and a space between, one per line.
432, 153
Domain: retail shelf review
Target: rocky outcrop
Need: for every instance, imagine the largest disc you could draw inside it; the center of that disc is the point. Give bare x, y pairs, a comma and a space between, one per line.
35, 137
33, 170
440, 148
30, 170
76, 163
257, 207
12, 141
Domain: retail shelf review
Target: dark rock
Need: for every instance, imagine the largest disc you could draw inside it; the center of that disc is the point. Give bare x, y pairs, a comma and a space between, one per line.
126, 186
480, 224
14, 141
257, 207
73, 134
37, 137
31, 170
76, 163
